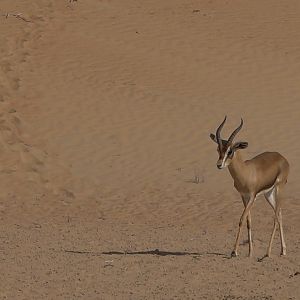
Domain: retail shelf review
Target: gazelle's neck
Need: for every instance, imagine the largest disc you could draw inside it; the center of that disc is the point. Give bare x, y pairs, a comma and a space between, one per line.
237, 168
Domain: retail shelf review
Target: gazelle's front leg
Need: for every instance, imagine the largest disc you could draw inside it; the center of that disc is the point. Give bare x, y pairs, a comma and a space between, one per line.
249, 225
241, 223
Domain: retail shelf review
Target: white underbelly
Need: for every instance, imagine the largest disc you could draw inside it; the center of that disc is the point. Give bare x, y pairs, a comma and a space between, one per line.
266, 191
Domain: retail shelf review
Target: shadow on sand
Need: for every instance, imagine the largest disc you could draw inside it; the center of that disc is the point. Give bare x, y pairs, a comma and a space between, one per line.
156, 252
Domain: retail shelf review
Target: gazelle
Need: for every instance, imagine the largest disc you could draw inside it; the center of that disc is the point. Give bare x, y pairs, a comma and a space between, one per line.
265, 174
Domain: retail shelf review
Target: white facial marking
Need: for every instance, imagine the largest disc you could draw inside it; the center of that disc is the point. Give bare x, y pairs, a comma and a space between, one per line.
225, 158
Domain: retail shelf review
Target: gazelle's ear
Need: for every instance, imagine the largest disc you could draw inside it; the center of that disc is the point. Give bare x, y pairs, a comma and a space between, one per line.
213, 137
240, 145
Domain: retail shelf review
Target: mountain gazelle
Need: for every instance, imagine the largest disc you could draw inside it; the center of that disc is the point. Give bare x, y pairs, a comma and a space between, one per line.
265, 174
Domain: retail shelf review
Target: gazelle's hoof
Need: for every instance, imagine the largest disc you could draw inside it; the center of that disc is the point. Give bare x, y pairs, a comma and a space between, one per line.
283, 253
234, 253
262, 258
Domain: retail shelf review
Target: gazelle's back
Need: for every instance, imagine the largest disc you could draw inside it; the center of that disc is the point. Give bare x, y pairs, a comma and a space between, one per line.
271, 167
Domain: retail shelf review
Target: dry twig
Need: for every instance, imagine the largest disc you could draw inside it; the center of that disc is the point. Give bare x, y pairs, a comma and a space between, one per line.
16, 15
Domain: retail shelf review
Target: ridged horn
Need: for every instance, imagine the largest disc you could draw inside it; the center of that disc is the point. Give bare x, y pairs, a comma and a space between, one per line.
218, 133
234, 133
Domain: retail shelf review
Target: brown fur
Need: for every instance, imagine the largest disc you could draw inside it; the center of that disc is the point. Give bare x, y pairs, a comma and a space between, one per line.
259, 173
265, 173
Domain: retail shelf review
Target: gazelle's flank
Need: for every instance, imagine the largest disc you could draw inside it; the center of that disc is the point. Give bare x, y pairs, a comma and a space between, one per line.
265, 174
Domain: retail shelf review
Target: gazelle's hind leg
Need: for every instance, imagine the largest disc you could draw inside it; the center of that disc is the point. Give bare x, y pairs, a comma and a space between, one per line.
283, 245
272, 197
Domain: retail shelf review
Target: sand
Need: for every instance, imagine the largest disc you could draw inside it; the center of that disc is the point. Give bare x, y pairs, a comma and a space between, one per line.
108, 180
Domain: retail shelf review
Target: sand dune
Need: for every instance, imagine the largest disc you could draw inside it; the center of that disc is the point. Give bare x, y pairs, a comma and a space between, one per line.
106, 111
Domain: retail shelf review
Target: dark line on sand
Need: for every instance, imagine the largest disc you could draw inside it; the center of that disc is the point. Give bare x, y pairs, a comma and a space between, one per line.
156, 252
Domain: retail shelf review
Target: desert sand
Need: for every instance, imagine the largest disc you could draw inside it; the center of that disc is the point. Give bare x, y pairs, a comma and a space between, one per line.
108, 180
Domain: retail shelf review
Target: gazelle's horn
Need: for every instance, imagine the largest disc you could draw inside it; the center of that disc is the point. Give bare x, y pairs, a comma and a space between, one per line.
218, 133
232, 136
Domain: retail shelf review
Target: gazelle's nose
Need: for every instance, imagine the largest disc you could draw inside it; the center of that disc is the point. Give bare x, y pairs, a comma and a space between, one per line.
219, 164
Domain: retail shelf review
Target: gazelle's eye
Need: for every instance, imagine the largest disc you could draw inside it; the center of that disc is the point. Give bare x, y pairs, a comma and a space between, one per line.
230, 152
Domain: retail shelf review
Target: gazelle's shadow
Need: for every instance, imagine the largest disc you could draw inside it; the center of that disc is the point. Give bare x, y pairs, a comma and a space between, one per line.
158, 252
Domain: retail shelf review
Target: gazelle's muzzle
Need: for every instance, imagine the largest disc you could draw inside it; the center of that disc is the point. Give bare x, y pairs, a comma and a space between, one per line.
223, 161
220, 164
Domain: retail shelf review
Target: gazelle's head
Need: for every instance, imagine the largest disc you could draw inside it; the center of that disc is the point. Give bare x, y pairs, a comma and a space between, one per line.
226, 148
